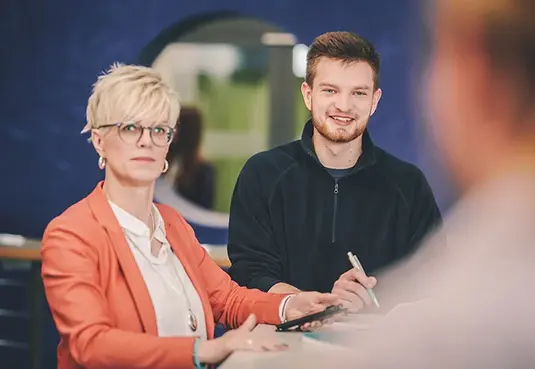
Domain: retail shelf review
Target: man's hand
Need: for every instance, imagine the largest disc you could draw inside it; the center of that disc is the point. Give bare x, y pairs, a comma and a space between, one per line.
351, 288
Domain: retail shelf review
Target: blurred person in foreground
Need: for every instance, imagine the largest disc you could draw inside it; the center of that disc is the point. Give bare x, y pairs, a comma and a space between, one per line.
127, 282
480, 306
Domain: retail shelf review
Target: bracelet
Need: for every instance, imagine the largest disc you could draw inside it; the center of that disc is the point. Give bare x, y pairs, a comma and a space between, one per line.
196, 361
283, 308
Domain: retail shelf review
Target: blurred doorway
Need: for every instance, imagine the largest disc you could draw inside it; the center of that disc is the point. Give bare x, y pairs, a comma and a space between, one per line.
240, 73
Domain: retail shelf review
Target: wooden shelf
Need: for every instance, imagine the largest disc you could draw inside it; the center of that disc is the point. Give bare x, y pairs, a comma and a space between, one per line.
31, 251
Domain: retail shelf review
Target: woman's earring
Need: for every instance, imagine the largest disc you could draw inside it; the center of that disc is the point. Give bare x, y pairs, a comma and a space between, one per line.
101, 162
165, 166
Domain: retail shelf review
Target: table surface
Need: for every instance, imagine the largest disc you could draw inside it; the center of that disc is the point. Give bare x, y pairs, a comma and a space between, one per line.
30, 251
303, 352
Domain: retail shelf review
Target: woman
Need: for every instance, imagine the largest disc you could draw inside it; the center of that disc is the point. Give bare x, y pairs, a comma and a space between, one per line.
193, 175
126, 280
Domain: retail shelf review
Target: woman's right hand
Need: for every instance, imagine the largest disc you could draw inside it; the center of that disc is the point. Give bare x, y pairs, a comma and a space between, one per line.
217, 350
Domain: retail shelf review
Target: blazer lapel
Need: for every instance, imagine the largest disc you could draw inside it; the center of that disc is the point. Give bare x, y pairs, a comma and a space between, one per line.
104, 214
178, 243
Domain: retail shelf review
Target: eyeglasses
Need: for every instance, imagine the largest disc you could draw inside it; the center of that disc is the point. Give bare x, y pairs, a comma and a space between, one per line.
130, 133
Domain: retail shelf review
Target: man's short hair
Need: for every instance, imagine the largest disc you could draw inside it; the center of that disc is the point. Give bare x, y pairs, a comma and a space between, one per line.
346, 47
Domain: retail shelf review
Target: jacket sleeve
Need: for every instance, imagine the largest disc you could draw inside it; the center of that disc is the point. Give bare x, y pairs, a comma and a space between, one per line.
70, 271
252, 248
425, 215
232, 304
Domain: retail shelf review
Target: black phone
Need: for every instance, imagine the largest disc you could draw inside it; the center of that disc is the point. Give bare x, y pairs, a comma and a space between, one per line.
319, 316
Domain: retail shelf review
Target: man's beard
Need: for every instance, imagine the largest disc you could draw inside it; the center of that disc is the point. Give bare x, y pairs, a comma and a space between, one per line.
341, 135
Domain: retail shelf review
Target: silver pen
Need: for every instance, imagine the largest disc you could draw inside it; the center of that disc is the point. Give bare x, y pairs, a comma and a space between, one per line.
357, 265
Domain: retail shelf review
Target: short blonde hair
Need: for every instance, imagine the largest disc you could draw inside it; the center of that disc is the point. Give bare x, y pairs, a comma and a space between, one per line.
131, 92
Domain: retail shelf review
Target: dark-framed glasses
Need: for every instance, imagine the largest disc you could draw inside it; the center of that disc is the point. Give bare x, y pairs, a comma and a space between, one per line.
131, 132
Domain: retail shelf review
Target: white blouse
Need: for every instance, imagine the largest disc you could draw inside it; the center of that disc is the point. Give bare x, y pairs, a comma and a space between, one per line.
165, 277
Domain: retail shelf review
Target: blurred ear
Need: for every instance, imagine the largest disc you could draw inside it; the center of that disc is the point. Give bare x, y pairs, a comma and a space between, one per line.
306, 91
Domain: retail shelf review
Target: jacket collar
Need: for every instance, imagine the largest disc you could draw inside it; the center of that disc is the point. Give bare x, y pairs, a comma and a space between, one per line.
104, 215
367, 158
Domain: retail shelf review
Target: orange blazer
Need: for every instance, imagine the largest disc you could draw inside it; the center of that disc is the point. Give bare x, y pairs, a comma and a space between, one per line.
101, 305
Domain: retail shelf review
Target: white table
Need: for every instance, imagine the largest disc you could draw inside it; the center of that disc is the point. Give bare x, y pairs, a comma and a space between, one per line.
303, 352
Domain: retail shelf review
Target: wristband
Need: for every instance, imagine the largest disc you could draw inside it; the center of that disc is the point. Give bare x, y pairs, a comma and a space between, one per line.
282, 308
196, 361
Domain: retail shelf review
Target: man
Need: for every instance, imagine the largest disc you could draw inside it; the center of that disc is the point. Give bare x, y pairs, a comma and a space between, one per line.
481, 312
299, 208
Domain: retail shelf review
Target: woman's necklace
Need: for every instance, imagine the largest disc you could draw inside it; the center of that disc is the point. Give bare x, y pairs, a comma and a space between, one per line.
153, 228
193, 323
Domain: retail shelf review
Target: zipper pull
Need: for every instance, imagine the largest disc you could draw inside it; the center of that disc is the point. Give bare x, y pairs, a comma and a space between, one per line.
336, 188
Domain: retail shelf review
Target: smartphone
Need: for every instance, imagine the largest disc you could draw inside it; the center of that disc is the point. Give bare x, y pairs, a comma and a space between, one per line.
295, 325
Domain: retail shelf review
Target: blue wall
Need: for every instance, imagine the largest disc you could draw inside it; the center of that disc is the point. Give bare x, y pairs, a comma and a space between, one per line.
53, 50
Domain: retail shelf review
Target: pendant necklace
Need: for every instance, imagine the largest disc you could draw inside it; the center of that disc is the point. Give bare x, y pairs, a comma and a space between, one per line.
193, 322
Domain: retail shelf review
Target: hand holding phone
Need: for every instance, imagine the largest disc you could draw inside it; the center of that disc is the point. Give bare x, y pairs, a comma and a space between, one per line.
296, 324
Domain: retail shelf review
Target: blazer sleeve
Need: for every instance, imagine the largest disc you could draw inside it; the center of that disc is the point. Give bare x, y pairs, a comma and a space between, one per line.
230, 302
70, 271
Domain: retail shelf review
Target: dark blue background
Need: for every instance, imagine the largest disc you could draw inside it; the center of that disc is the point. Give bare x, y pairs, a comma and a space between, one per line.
52, 52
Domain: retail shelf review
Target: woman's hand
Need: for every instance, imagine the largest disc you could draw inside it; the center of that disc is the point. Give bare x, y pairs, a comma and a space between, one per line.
217, 350
306, 303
